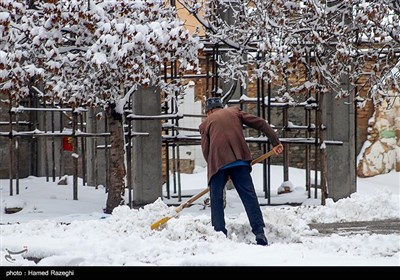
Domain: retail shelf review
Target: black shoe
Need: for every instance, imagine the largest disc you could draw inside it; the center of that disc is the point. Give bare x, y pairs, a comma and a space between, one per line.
261, 239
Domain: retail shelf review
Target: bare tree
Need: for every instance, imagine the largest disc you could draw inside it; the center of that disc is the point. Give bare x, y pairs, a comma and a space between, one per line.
341, 38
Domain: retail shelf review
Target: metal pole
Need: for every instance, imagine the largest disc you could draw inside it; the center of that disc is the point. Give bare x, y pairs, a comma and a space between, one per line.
95, 153
286, 151
11, 157
75, 155
167, 169
308, 134
61, 173
129, 156
83, 150
53, 156
307, 163
46, 156
178, 166
322, 153
316, 154
18, 158
106, 154
269, 159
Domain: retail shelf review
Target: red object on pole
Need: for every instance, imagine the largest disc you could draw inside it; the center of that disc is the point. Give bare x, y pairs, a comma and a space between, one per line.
68, 143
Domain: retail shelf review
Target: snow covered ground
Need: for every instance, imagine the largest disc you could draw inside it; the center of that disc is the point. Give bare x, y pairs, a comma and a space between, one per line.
54, 230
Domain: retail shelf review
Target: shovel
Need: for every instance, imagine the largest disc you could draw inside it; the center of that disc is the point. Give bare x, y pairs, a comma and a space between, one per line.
200, 194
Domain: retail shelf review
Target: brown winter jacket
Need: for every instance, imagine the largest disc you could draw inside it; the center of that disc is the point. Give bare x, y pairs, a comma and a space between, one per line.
222, 138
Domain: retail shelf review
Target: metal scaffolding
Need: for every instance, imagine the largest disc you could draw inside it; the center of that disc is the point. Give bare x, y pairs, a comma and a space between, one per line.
53, 123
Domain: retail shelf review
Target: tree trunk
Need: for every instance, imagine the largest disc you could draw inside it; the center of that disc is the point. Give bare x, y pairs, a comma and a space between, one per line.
117, 169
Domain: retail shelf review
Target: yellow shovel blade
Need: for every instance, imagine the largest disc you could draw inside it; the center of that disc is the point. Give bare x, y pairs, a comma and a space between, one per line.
160, 222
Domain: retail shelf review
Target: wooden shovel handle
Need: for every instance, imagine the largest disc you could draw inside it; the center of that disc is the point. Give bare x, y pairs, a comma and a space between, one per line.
200, 194
262, 157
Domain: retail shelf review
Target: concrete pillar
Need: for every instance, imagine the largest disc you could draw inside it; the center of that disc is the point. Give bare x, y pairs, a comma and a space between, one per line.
339, 119
146, 150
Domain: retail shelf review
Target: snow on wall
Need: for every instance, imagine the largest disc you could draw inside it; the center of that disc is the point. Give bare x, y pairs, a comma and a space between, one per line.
381, 152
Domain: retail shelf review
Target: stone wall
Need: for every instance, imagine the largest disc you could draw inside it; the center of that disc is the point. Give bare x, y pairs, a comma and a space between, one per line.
382, 149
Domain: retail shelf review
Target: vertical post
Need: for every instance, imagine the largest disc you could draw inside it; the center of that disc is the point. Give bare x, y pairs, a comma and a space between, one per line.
214, 80
17, 152
89, 149
11, 154
95, 160
178, 163
322, 152
61, 159
264, 146
307, 163
45, 150
167, 169
83, 149
146, 163
174, 167
34, 143
129, 156
341, 162
53, 156
207, 75
308, 109
106, 155
340, 123
75, 154
286, 150
316, 148
31, 143
166, 147
268, 194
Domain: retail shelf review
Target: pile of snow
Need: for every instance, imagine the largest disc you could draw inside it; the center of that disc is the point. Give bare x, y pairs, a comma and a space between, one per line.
54, 230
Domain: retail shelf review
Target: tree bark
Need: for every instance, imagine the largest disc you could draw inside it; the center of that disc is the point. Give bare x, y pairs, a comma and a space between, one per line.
117, 169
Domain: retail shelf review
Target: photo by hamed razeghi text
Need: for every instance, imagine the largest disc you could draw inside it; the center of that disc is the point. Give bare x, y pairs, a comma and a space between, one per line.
43, 272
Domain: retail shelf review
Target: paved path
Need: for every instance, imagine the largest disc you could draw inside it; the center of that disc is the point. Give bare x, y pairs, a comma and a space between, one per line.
391, 226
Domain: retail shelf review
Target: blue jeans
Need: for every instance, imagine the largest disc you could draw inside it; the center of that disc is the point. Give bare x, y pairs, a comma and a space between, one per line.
241, 179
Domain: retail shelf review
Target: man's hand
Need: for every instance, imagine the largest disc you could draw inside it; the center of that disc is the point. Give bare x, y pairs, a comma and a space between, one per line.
278, 149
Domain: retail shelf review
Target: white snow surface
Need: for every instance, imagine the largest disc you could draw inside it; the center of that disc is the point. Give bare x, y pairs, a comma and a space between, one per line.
52, 229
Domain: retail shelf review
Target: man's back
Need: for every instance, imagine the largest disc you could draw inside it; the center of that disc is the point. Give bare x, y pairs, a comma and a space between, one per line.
223, 140
226, 123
